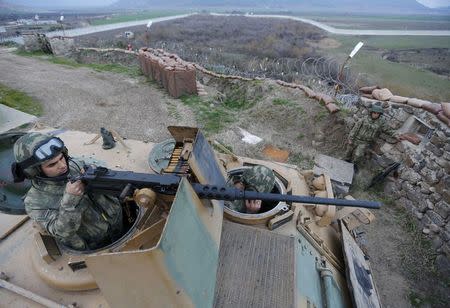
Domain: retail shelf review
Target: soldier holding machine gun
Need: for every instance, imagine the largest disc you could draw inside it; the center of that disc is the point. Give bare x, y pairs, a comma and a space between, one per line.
84, 212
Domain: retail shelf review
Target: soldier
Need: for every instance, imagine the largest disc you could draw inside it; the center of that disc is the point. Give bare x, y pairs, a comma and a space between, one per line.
364, 132
79, 220
257, 178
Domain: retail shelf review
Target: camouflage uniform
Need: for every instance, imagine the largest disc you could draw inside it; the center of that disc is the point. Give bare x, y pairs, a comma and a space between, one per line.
258, 178
363, 133
89, 221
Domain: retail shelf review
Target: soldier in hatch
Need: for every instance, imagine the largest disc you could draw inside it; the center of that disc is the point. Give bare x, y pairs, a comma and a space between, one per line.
79, 220
364, 133
257, 178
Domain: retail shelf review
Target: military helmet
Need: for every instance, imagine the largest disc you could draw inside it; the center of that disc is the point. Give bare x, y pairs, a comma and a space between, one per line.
259, 178
24, 150
376, 108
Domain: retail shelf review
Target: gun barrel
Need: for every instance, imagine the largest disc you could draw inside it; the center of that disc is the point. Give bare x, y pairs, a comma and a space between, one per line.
114, 182
227, 193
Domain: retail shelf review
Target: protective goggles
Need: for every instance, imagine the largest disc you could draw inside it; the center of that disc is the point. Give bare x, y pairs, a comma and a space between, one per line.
44, 151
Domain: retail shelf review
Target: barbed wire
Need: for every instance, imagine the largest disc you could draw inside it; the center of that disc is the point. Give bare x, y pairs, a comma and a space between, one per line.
319, 73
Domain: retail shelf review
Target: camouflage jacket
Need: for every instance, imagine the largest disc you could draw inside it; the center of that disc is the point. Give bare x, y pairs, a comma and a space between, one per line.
82, 222
258, 178
367, 130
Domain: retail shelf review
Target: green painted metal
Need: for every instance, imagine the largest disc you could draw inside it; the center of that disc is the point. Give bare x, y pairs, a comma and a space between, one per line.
308, 278
191, 254
159, 156
10, 193
310, 285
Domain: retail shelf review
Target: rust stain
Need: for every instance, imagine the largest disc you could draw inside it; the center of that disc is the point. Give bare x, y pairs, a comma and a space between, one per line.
276, 154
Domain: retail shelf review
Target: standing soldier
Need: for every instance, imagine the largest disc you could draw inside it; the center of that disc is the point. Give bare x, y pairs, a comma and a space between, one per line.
364, 133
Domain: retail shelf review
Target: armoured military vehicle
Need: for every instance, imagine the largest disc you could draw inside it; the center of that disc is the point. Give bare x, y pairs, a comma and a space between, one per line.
183, 251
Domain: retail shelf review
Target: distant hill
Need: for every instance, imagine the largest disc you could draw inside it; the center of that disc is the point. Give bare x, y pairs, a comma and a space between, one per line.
351, 6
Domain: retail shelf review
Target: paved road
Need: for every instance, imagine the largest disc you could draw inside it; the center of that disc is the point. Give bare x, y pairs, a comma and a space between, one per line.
102, 28
354, 31
84, 99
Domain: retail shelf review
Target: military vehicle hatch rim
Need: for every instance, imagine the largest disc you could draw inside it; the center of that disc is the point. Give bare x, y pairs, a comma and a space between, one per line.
258, 218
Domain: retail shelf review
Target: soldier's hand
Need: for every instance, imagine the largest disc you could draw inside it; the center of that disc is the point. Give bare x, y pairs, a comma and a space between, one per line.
75, 188
253, 206
349, 141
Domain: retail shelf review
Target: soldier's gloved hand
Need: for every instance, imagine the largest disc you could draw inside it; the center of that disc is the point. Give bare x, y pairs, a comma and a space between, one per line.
75, 188
253, 206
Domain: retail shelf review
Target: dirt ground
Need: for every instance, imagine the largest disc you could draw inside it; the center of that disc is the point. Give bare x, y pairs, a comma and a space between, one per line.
83, 99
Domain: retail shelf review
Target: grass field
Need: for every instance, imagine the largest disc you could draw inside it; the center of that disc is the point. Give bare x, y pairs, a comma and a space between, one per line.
398, 22
402, 79
392, 42
19, 100
133, 17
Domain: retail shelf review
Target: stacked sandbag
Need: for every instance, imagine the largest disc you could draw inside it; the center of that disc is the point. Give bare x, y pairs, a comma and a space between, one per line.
329, 102
178, 77
399, 99
368, 90
431, 107
415, 102
446, 109
444, 113
382, 94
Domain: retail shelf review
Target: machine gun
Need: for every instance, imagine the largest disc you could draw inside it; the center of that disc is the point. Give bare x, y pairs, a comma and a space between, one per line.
122, 184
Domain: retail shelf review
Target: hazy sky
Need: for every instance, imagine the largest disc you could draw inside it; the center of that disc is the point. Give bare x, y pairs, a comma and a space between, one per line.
63, 3
435, 3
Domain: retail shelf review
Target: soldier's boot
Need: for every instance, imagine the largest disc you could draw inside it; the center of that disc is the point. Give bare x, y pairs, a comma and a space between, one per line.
108, 139
348, 155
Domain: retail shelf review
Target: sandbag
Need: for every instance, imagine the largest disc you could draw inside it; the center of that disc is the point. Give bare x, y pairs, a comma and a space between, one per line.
332, 108
319, 183
382, 94
309, 92
446, 109
399, 99
431, 107
415, 102
367, 96
368, 90
413, 138
326, 99
441, 116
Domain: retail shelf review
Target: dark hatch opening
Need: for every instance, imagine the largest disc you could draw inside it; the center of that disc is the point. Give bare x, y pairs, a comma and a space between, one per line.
11, 194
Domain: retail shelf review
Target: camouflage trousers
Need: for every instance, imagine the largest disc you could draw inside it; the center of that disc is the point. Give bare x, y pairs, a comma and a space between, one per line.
355, 152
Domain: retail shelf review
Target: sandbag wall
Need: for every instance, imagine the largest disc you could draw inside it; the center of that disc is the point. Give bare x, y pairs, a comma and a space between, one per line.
174, 74
441, 111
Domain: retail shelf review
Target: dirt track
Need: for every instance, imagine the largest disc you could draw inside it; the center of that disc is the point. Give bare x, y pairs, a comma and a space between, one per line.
69, 94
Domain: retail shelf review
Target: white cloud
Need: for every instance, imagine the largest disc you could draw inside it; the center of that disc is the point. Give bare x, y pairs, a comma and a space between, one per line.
435, 3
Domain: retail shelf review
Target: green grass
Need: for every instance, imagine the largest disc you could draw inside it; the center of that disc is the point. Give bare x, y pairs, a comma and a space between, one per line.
288, 103
134, 17
301, 160
115, 68
402, 79
321, 115
390, 42
212, 118
281, 101
19, 100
